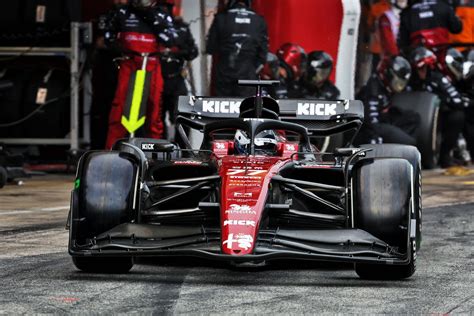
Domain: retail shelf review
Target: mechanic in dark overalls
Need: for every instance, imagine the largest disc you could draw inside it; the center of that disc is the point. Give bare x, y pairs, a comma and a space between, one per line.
453, 67
316, 83
137, 28
173, 62
384, 123
426, 77
238, 39
428, 23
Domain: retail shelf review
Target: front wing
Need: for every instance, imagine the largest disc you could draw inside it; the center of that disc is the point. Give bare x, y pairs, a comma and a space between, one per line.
342, 245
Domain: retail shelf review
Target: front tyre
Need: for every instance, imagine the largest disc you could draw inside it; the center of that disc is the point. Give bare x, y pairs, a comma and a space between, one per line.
104, 198
383, 199
413, 156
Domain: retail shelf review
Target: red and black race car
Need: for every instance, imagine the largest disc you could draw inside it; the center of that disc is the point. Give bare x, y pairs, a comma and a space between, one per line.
257, 189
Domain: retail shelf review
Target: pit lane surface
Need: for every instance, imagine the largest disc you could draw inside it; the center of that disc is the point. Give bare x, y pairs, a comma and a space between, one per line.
38, 276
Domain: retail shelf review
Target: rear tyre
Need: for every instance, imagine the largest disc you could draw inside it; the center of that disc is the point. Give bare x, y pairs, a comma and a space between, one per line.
383, 191
413, 156
427, 105
105, 195
112, 265
3, 177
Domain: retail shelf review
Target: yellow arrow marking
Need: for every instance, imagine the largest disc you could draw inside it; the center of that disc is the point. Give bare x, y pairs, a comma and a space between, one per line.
468, 182
134, 122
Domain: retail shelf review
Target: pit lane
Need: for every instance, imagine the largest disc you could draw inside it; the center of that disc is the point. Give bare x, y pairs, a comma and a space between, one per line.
38, 276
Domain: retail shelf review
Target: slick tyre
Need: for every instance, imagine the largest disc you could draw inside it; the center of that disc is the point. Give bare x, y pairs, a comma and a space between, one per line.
3, 177
413, 156
383, 192
102, 200
427, 105
110, 265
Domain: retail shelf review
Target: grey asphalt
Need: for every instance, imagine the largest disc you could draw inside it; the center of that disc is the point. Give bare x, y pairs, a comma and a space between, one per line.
37, 276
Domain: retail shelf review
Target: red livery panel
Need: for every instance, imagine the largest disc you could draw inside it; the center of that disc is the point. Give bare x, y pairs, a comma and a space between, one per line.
245, 181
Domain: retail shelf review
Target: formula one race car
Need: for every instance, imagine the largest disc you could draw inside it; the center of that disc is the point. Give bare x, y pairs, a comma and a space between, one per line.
257, 189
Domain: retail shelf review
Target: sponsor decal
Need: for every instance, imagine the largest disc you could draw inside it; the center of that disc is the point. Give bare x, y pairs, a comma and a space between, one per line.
235, 222
225, 107
243, 241
316, 166
245, 178
220, 146
234, 200
318, 109
139, 39
426, 14
187, 162
148, 147
243, 195
240, 209
246, 172
245, 185
242, 20
245, 181
290, 147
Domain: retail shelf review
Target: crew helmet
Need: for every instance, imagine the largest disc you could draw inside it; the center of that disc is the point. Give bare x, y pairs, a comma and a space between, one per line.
421, 56
395, 72
454, 63
319, 67
294, 58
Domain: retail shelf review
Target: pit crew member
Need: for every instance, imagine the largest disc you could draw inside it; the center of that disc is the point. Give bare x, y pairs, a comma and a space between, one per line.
173, 61
427, 77
293, 61
389, 26
238, 39
384, 123
316, 79
137, 28
428, 23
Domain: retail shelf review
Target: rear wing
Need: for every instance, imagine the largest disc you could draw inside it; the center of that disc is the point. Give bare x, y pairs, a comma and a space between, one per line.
320, 117
210, 109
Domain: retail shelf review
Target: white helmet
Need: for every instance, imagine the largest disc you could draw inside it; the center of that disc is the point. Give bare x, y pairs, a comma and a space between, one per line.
241, 142
265, 143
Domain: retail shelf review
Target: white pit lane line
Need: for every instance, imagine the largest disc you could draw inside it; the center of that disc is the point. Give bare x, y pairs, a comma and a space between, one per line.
36, 210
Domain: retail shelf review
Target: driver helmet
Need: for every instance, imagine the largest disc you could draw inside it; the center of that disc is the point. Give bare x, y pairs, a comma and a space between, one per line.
319, 68
241, 142
271, 70
421, 56
294, 58
265, 143
142, 3
395, 73
454, 62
